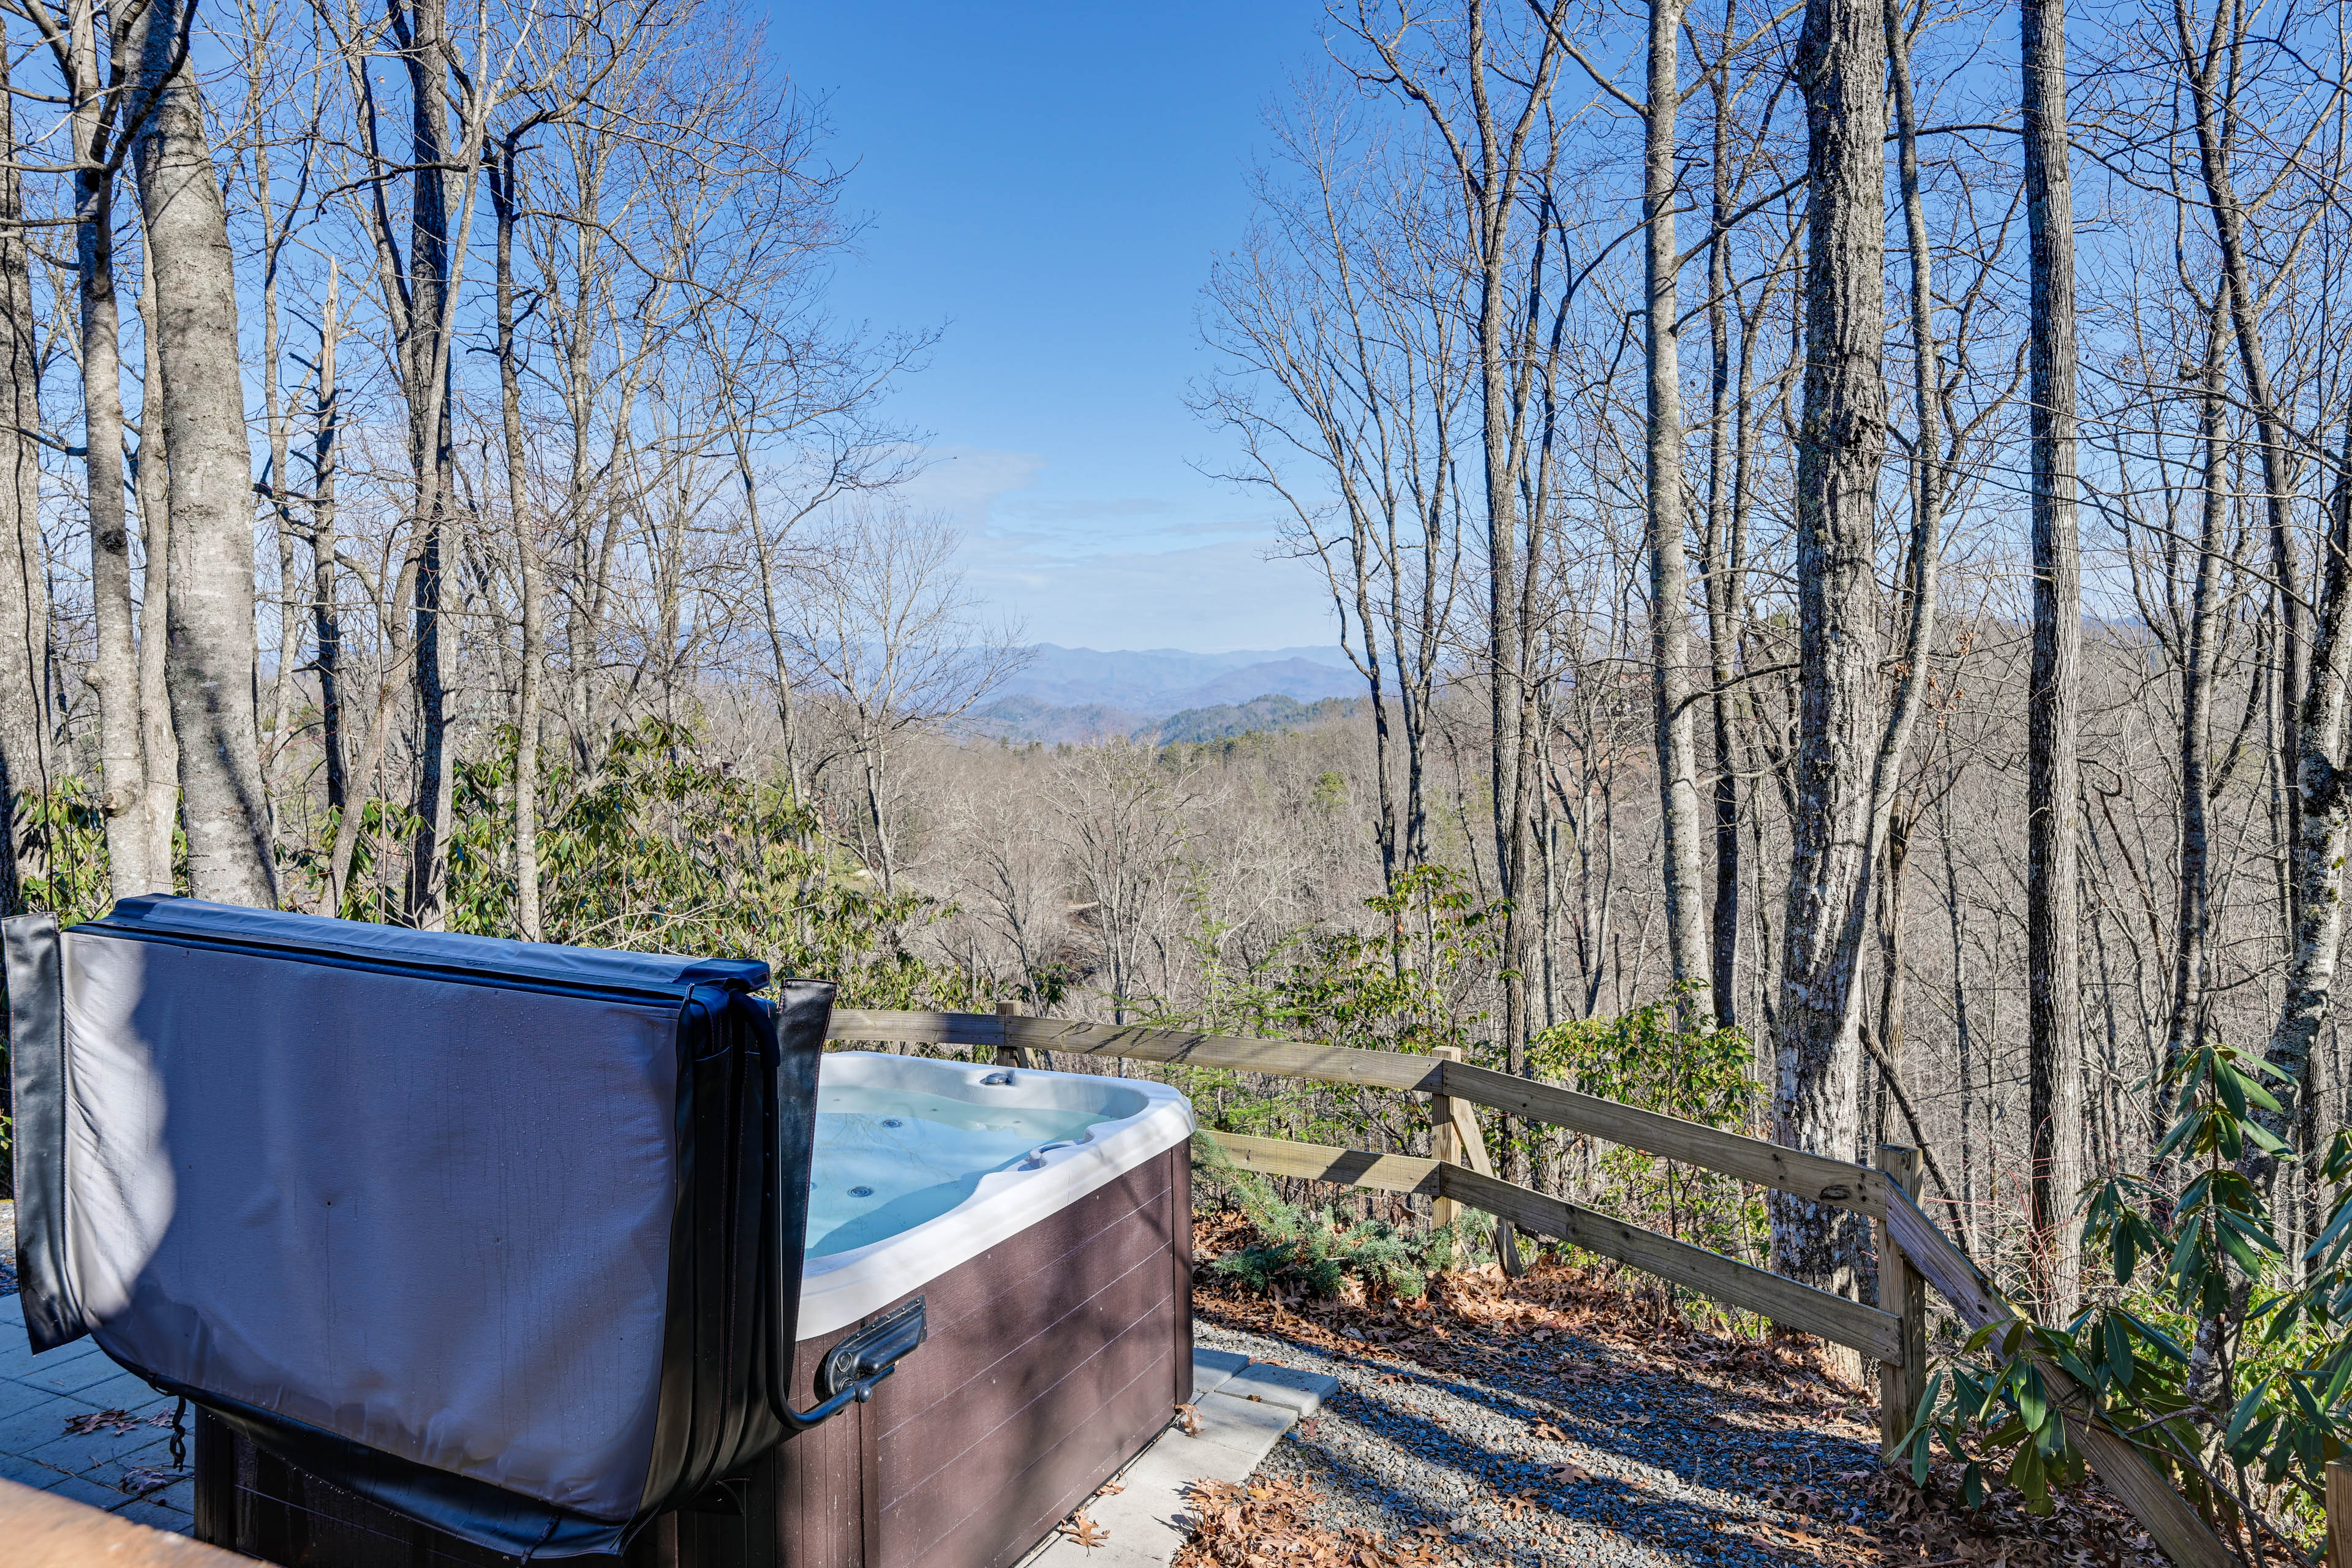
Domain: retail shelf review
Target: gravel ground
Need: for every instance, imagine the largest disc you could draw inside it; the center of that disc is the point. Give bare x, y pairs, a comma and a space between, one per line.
1578, 1454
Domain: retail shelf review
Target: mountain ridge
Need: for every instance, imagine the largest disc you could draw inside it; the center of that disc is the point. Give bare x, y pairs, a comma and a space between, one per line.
1155, 683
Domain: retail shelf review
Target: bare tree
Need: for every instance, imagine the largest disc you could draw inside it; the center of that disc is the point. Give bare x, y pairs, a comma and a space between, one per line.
159, 743
1842, 72
885, 628
211, 672
103, 118
2054, 1027
1345, 305
1490, 119
25, 712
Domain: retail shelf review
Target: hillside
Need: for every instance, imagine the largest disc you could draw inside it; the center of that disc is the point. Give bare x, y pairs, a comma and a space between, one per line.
1024, 718
1273, 712
1028, 719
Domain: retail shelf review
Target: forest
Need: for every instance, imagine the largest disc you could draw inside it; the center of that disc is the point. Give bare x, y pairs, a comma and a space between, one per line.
1838, 513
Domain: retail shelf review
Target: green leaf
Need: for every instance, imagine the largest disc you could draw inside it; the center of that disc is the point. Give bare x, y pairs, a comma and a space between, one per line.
2254, 1092
2032, 1399
2126, 1253
2182, 1131
2030, 1474
2117, 1350
2184, 1249
2254, 1232
2261, 1138
2246, 1408
2150, 1333
2235, 1246
2340, 1223
2232, 1091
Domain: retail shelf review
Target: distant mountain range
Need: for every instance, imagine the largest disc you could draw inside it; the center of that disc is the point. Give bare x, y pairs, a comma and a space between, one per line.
1165, 695
1157, 682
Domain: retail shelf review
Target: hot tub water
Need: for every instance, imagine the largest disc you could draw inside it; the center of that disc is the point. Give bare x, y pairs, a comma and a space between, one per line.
889, 1159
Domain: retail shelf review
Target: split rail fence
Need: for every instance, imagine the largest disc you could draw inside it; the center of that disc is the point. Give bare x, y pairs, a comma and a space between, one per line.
1914, 1252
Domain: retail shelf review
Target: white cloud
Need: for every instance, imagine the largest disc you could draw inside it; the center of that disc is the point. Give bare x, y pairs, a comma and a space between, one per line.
965, 481
1119, 571
1206, 599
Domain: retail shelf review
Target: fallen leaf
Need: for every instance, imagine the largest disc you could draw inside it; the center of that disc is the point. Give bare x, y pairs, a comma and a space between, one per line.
82, 1425
144, 1478
1084, 1530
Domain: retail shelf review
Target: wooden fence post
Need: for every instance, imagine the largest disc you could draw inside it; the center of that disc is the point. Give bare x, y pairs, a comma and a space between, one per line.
1009, 1056
1902, 1291
1454, 1138
1444, 1140
2339, 1513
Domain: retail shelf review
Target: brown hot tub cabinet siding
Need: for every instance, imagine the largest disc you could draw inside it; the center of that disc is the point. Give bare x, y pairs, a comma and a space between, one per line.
1054, 1358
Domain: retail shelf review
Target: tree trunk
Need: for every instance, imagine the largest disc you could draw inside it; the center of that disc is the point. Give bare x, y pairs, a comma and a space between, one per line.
2211, 98
2316, 855
1842, 72
1724, 567
159, 746
284, 691
2053, 1025
114, 669
1927, 487
1669, 572
503, 198
327, 622
209, 604
24, 580
1893, 1001
1964, 1041
2197, 673
425, 371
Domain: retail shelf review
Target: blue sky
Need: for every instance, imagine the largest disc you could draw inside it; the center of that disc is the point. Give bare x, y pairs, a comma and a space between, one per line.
1048, 182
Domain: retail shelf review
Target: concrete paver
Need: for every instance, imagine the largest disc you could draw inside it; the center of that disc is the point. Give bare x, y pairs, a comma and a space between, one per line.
1271, 1384
1142, 1522
1212, 1368
28, 1418
40, 1395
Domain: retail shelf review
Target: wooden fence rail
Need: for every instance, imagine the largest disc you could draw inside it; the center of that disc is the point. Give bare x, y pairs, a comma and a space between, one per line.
1893, 1339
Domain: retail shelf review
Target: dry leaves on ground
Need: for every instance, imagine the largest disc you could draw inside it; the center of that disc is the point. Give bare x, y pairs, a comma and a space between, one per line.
144, 1478
82, 1425
1926, 1525
1267, 1522
1084, 1530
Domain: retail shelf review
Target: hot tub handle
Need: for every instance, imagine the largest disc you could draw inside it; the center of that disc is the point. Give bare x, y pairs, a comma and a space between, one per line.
1036, 1159
854, 1366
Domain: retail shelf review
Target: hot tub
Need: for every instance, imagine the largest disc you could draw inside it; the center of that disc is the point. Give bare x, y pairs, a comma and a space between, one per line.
1046, 1219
